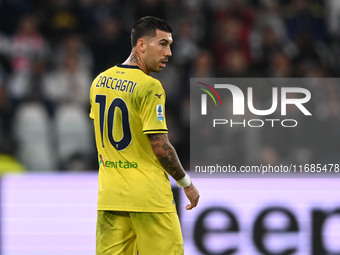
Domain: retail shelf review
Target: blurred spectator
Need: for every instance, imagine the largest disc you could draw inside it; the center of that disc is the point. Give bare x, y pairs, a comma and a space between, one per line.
237, 9
62, 19
235, 23
109, 47
185, 48
235, 65
203, 65
27, 45
316, 70
270, 37
73, 44
271, 18
94, 13
232, 35
11, 11
268, 46
174, 12
280, 66
70, 84
304, 19
27, 85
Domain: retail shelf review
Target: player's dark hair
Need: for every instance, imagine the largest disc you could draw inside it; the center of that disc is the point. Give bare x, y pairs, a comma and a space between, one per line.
147, 26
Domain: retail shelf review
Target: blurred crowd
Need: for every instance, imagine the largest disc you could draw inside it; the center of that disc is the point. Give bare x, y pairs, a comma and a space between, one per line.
50, 51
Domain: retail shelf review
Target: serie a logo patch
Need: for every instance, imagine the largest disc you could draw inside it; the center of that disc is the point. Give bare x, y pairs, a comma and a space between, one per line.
160, 112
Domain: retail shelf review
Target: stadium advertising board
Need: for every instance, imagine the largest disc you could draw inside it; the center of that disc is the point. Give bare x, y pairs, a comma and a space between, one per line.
56, 214
264, 217
48, 214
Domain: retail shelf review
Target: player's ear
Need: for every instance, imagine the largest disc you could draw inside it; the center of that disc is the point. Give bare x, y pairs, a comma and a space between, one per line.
141, 43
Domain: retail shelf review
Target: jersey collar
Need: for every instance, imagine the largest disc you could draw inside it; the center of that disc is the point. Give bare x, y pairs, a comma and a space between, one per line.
128, 66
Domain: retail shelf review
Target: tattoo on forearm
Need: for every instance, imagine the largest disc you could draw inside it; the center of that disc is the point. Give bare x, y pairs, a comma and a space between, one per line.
156, 137
172, 165
169, 161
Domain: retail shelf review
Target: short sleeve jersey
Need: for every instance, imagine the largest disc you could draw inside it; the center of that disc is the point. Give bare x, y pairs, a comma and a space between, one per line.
126, 105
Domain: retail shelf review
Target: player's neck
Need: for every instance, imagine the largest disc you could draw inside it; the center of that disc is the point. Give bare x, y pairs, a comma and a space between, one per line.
135, 60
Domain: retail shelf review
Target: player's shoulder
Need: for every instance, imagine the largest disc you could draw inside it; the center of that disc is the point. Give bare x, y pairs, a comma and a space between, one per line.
108, 72
104, 73
153, 81
149, 86
149, 81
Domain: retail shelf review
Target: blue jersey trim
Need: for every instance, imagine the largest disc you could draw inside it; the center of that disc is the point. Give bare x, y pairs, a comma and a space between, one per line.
128, 66
154, 130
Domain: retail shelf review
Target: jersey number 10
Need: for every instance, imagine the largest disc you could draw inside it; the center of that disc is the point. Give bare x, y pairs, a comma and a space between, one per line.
109, 117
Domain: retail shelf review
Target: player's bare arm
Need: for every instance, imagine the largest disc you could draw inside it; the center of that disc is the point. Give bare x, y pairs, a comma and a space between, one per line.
166, 155
169, 160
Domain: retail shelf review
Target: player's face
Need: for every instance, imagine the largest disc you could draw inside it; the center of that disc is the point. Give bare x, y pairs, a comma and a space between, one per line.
158, 51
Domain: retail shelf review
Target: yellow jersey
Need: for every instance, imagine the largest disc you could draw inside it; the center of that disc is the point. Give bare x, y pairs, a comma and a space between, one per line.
126, 105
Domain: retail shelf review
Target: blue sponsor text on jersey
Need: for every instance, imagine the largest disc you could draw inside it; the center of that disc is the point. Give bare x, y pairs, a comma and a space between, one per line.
116, 84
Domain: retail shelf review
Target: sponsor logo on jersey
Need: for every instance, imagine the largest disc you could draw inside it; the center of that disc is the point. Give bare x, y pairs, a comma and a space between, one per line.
101, 160
116, 164
160, 113
121, 164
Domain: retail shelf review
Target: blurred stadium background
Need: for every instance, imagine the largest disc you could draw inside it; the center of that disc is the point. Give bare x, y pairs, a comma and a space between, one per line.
50, 51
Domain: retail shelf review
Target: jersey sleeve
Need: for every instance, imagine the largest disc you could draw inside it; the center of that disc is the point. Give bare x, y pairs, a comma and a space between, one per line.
152, 110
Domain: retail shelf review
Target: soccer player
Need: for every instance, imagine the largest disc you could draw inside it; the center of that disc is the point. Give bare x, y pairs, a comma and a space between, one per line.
136, 209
